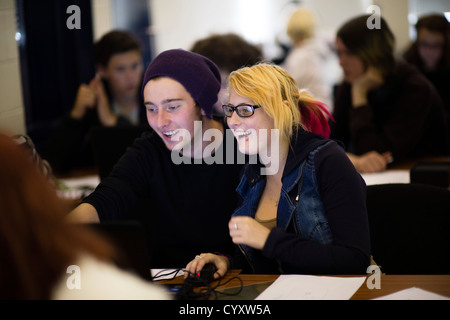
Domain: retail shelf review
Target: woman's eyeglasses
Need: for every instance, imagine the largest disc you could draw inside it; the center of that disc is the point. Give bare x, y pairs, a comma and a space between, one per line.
242, 110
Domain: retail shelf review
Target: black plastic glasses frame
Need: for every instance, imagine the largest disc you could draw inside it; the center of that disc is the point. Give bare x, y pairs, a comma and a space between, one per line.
228, 110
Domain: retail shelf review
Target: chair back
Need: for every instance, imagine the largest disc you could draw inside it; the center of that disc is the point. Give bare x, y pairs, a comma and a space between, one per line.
409, 226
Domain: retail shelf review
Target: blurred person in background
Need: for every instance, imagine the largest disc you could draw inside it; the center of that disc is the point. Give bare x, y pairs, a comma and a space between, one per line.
229, 52
111, 98
431, 54
385, 110
309, 56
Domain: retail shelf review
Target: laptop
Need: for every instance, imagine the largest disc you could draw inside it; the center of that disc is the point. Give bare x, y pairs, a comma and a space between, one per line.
110, 143
129, 239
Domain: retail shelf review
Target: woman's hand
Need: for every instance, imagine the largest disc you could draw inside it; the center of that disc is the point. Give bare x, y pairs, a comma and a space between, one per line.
371, 161
246, 230
195, 266
369, 80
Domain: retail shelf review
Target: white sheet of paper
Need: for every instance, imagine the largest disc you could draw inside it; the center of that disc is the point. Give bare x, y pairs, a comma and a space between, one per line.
389, 176
91, 180
166, 274
413, 294
78, 187
306, 287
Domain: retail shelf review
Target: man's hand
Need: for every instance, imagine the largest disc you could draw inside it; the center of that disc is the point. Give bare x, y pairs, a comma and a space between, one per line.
105, 114
86, 99
84, 213
91, 96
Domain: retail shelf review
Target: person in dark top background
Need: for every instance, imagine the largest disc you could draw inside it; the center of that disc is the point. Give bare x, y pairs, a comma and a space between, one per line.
430, 53
111, 98
229, 51
304, 211
385, 110
170, 180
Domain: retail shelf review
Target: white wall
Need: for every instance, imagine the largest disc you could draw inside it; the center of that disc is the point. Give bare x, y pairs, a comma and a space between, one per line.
102, 17
12, 120
178, 23
396, 15
332, 14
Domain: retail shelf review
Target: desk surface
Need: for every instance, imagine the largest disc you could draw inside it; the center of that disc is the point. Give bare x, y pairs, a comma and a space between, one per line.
439, 284
409, 163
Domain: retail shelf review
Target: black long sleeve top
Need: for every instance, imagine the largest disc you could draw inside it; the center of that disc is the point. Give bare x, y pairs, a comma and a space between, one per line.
343, 194
185, 208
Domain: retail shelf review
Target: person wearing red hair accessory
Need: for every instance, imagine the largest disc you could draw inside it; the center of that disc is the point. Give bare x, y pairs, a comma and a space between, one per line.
303, 207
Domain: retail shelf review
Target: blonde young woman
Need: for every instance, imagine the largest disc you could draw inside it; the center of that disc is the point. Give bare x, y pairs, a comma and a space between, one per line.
309, 216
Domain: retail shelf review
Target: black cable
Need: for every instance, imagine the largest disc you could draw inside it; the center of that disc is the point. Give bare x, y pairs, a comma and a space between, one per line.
228, 294
205, 292
186, 291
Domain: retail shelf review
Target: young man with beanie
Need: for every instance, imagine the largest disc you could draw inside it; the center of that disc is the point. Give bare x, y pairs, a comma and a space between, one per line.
184, 207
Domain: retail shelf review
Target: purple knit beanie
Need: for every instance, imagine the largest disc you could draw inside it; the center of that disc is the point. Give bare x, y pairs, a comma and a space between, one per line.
198, 75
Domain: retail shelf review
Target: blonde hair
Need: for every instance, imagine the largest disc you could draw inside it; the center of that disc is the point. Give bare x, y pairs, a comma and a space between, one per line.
301, 25
273, 88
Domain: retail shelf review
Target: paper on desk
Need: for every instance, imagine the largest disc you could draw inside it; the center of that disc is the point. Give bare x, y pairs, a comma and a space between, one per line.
305, 287
413, 294
389, 176
76, 188
166, 274
91, 180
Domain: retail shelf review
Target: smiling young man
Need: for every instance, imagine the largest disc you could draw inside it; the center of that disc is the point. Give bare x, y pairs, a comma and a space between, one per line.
184, 207
172, 113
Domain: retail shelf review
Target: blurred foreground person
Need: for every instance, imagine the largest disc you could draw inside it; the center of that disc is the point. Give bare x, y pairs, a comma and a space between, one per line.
38, 248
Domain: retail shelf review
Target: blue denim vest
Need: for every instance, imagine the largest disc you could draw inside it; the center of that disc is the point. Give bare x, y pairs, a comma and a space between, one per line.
300, 203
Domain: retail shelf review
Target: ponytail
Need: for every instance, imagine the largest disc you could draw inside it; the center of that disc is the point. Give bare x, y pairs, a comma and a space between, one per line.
314, 115
273, 88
